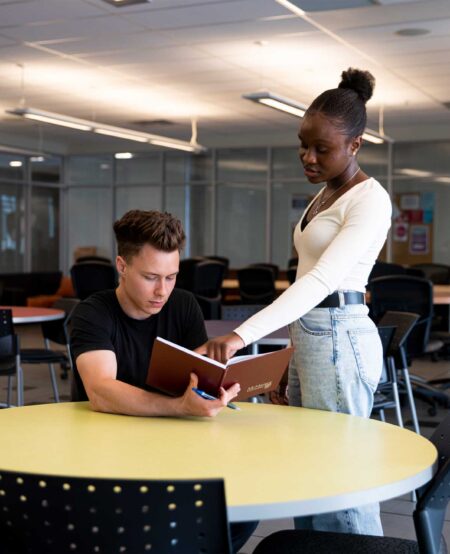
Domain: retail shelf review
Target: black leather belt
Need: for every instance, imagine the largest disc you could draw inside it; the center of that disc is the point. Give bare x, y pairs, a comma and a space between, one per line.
340, 298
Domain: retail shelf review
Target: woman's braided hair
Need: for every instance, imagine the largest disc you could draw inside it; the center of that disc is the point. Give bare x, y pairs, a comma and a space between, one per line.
346, 105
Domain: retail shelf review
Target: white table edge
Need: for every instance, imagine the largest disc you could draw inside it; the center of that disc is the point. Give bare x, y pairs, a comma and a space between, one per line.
339, 502
37, 318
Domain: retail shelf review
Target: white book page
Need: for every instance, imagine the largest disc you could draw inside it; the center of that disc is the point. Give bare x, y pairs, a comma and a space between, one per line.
194, 354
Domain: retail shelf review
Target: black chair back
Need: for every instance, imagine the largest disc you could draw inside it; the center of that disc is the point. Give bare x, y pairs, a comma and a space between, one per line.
92, 258
293, 262
403, 293
207, 278
185, 277
273, 267
256, 285
439, 274
291, 275
57, 331
90, 277
9, 347
43, 513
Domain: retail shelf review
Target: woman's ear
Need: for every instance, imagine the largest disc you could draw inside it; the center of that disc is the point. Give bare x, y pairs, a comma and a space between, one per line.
355, 145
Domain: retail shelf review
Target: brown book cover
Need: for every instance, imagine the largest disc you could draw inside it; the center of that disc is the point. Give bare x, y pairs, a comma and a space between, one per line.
170, 367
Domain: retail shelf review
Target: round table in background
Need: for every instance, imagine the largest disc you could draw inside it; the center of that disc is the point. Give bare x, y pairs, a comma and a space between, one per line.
27, 314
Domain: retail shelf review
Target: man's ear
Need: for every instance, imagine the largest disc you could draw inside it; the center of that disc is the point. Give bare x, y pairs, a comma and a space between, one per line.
121, 265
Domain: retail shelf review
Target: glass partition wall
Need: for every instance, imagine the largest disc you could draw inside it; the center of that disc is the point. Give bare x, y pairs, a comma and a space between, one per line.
237, 202
29, 212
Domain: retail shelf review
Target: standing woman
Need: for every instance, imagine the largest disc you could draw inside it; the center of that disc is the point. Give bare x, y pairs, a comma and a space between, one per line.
338, 355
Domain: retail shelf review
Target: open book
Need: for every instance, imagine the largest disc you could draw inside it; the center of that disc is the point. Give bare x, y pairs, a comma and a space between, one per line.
170, 367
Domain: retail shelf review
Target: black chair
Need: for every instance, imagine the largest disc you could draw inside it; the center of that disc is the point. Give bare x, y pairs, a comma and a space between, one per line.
223, 260
90, 277
405, 293
207, 277
387, 396
293, 262
383, 269
256, 285
61, 515
438, 274
92, 258
273, 267
291, 275
428, 516
10, 366
185, 277
56, 332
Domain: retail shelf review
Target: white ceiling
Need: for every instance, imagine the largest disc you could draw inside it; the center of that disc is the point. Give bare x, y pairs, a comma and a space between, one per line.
181, 59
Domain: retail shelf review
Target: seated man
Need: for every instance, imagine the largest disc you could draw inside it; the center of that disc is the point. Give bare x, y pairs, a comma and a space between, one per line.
113, 330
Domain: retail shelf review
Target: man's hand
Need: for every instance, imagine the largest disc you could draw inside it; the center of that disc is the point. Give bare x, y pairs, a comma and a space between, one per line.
221, 348
191, 404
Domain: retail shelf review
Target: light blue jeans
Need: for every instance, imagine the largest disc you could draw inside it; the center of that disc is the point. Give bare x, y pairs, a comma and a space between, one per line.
336, 367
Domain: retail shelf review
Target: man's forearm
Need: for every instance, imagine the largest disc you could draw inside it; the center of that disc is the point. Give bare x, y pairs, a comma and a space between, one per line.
116, 397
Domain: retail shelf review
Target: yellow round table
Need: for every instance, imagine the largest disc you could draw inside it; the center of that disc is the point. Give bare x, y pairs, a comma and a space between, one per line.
276, 461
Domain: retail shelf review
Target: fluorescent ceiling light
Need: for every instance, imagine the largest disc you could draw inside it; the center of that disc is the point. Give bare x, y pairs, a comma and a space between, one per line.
443, 180
186, 147
15, 163
410, 172
37, 159
277, 102
120, 134
296, 108
120, 3
123, 155
109, 130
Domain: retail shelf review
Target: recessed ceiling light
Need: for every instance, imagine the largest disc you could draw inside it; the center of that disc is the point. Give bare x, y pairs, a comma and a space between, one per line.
15, 163
121, 3
412, 32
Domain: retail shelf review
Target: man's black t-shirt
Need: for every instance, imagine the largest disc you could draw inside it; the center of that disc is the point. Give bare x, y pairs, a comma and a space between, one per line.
99, 323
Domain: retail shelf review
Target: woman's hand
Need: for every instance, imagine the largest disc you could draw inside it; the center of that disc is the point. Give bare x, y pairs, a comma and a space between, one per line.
221, 348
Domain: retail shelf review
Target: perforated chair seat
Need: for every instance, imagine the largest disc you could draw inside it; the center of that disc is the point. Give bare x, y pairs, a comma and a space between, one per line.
317, 542
48, 514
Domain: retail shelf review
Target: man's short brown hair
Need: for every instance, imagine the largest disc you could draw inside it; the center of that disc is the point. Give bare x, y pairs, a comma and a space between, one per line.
161, 230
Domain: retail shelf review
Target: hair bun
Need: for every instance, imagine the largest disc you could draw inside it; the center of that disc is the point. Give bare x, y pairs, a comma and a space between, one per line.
362, 82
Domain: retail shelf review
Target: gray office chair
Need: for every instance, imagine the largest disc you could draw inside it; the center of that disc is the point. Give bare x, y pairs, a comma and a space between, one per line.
56, 332
429, 517
60, 515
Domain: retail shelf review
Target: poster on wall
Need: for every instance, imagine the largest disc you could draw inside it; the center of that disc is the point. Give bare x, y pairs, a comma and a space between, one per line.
419, 239
400, 231
410, 201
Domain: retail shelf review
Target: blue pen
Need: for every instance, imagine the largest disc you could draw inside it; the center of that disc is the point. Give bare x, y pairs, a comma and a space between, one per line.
204, 394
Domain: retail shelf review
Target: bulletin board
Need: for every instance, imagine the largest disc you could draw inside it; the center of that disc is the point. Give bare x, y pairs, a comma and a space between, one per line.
412, 228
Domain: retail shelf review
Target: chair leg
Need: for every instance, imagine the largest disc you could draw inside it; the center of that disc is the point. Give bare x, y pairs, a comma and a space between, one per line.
398, 412
54, 382
9, 392
412, 405
19, 382
382, 416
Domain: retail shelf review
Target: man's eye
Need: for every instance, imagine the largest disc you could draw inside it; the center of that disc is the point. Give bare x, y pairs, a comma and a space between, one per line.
321, 150
149, 278
171, 277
